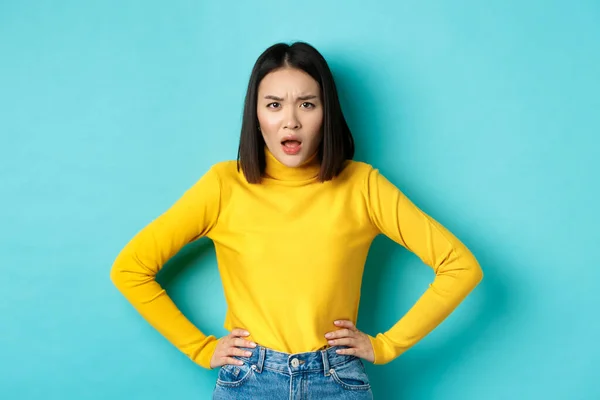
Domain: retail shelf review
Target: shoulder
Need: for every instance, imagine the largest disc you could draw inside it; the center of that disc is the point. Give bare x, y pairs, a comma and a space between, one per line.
217, 174
227, 175
364, 177
225, 169
356, 171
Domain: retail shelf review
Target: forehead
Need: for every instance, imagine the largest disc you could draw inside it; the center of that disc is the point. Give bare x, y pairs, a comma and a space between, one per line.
287, 80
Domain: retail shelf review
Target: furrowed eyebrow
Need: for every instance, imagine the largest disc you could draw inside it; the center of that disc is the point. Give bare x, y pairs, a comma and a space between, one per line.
306, 97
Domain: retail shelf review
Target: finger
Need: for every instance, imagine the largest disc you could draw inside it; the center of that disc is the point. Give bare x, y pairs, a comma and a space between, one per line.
235, 351
344, 323
352, 351
339, 334
238, 342
237, 332
232, 361
342, 342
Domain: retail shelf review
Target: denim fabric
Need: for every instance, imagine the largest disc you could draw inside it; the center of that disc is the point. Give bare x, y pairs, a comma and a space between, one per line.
270, 374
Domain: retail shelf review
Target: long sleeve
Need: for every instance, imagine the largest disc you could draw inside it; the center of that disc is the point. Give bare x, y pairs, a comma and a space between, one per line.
136, 266
457, 272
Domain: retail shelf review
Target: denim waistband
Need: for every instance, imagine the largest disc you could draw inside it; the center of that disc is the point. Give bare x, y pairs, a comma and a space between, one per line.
318, 360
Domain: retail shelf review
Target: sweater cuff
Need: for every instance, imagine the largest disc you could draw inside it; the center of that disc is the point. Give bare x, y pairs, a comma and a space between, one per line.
207, 352
382, 348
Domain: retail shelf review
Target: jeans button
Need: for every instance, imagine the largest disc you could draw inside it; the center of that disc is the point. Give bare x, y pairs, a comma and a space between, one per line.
295, 362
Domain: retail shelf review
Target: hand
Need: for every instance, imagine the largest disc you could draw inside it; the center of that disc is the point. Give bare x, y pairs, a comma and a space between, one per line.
227, 347
358, 342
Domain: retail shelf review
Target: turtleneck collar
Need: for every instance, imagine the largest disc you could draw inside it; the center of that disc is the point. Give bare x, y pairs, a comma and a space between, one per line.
308, 170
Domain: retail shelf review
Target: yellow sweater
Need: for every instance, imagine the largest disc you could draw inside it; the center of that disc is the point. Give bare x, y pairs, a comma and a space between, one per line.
291, 253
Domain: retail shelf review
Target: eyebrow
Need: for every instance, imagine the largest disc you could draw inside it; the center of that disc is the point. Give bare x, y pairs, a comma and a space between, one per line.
306, 97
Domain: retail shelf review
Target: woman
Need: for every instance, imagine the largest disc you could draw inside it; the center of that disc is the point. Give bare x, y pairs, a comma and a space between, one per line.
292, 221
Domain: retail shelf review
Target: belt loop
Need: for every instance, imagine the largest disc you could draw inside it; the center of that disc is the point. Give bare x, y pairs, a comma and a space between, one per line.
325, 362
261, 358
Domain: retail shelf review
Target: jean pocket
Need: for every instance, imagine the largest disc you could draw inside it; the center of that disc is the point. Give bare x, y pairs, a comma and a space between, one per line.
351, 375
234, 375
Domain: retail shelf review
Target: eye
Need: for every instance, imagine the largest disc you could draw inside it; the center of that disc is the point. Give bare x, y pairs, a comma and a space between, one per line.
273, 105
308, 105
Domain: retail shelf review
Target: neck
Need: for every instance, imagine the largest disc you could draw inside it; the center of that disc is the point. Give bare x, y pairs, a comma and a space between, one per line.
308, 170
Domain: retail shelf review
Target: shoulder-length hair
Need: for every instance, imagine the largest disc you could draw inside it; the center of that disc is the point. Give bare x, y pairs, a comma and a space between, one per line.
337, 144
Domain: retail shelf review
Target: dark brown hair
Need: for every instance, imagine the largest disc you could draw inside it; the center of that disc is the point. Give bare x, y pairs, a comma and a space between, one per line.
337, 145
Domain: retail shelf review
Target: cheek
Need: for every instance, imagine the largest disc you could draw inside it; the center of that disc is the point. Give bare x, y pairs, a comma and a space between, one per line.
315, 123
269, 122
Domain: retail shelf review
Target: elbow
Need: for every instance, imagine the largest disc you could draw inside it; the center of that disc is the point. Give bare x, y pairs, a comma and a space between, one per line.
120, 273
128, 272
464, 267
117, 277
467, 271
478, 276
475, 273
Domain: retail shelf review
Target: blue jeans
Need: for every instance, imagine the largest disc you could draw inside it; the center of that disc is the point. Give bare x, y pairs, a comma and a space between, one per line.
273, 375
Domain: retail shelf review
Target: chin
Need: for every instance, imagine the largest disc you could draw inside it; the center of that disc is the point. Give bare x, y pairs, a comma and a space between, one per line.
292, 161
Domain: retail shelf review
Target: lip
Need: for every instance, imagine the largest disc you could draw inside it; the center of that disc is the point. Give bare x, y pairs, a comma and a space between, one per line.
291, 137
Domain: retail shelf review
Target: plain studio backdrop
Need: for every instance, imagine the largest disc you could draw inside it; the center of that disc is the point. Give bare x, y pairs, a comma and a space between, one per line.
486, 114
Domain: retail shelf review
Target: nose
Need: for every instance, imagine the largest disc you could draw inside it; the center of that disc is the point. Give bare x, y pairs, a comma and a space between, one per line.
292, 121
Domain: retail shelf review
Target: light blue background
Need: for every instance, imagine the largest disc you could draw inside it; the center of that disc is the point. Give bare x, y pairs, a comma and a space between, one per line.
485, 113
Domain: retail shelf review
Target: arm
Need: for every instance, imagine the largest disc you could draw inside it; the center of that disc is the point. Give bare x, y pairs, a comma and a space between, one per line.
136, 266
457, 272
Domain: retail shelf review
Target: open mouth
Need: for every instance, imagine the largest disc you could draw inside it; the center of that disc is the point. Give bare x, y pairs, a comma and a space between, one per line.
291, 146
291, 143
